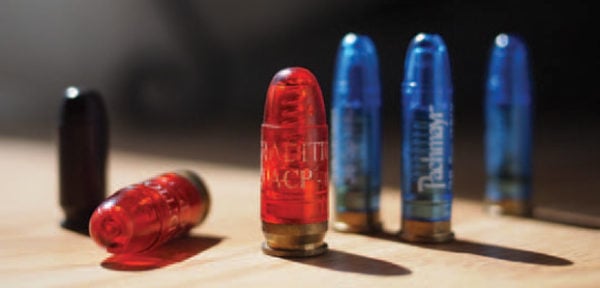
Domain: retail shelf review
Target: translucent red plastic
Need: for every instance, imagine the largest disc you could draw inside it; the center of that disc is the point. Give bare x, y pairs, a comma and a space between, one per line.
294, 150
143, 216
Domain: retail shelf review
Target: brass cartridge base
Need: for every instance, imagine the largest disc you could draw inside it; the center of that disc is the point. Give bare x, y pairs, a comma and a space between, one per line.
294, 240
426, 232
357, 222
509, 207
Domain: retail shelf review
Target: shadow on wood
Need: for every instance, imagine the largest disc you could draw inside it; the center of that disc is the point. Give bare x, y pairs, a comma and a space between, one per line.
170, 253
348, 262
487, 250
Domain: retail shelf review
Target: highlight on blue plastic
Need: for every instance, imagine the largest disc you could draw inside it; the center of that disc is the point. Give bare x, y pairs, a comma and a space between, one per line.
508, 134
355, 125
427, 131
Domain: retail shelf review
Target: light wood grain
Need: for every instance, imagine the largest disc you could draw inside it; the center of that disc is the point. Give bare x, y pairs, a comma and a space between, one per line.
225, 250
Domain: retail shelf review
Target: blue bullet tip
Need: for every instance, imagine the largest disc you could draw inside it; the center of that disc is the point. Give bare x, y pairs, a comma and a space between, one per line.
508, 75
356, 79
427, 64
357, 44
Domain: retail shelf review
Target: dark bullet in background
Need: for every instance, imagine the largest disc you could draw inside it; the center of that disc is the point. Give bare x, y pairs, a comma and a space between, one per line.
83, 148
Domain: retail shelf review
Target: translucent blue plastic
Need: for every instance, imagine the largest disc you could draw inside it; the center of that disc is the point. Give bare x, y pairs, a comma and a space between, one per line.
427, 131
355, 122
508, 122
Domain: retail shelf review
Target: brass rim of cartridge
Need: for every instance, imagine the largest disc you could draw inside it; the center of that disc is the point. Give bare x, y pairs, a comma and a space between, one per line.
509, 207
426, 232
357, 222
201, 187
294, 240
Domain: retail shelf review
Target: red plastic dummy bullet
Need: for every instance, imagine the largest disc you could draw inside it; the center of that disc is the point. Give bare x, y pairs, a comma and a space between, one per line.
294, 153
143, 216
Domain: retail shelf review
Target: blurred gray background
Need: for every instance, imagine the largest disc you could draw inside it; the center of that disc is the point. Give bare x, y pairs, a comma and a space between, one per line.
188, 78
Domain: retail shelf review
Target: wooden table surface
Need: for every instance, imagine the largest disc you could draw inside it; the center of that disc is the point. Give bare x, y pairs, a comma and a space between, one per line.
225, 250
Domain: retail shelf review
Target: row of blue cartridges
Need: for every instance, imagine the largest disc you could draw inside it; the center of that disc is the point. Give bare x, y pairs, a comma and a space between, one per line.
427, 136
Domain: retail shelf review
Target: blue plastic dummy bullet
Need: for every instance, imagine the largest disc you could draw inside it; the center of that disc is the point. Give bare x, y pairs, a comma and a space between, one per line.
356, 136
508, 132
427, 142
